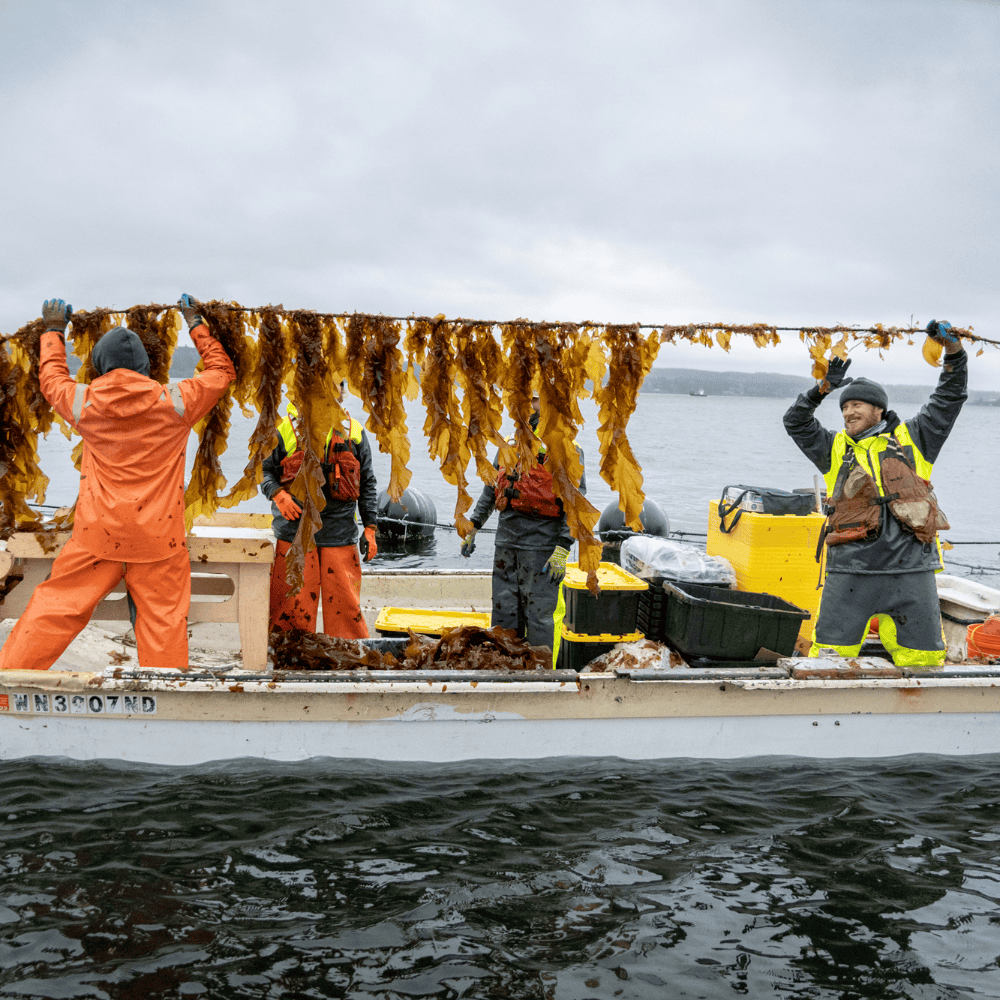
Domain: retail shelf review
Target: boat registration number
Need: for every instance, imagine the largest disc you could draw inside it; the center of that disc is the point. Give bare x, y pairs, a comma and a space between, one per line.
79, 704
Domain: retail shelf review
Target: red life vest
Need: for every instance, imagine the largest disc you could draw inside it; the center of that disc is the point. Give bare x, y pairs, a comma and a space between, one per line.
343, 473
343, 476
528, 494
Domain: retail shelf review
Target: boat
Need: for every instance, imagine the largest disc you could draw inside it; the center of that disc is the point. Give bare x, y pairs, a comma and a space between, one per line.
700, 392
633, 703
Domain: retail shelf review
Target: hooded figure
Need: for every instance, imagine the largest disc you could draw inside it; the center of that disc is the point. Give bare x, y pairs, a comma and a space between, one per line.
120, 348
129, 520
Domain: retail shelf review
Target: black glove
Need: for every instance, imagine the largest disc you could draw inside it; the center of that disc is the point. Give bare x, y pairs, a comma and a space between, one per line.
835, 373
56, 314
189, 311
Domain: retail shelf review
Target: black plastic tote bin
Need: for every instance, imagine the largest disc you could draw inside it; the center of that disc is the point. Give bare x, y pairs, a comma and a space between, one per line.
613, 612
728, 624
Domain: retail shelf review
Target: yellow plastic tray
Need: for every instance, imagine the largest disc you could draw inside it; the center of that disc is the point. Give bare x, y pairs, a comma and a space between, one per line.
568, 636
609, 576
427, 622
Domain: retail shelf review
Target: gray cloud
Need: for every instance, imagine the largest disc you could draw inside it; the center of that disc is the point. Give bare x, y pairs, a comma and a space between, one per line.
713, 159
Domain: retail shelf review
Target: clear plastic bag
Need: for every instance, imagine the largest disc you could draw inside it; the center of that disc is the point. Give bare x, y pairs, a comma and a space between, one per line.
652, 558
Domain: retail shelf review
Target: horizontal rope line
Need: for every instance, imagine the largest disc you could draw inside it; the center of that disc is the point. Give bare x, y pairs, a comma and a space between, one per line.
741, 328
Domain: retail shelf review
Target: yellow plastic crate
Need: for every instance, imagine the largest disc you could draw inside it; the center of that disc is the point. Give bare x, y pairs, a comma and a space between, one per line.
394, 622
610, 576
773, 554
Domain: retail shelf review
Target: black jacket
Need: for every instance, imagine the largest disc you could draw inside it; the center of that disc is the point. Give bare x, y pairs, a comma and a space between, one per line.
339, 527
895, 550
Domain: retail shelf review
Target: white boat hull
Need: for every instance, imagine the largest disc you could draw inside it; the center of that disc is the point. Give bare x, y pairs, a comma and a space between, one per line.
181, 721
711, 738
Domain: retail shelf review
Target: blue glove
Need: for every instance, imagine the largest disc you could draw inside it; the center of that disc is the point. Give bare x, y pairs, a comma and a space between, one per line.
56, 314
190, 311
941, 332
835, 373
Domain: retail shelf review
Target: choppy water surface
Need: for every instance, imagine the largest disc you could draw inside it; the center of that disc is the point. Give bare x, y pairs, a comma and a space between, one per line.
564, 881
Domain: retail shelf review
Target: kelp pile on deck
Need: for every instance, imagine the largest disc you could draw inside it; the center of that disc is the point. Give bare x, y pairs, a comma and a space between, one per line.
468, 647
471, 372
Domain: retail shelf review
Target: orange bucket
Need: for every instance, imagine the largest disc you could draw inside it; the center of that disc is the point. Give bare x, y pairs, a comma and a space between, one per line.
984, 640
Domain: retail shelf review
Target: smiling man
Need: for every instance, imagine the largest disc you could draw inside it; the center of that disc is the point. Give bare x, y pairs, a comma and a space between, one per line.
883, 517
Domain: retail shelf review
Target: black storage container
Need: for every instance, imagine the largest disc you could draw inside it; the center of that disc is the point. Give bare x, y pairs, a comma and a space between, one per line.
613, 612
726, 624
576, 651
651, 616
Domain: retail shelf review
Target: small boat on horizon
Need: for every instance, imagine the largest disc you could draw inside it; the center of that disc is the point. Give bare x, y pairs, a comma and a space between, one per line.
700, 392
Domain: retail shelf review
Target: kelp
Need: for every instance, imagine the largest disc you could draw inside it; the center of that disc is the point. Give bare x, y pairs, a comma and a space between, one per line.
468, 647
157, 327
25, 414
471, 647
227, 323
445, 428
471, 373
380, 378
297, 649
480, 364
631, 357
273, 366
563, 352
314, 396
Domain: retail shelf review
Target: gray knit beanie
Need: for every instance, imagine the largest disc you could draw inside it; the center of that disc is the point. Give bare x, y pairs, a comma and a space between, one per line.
119, 348
867, 391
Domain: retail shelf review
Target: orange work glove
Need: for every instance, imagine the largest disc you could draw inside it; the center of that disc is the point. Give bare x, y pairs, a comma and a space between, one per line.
367, 543
290, 510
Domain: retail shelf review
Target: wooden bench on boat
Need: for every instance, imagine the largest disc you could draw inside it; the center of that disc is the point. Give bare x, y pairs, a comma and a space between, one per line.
231, 557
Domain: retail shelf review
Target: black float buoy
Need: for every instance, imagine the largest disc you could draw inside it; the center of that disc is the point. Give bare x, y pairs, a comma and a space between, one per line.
612, 529
411, 521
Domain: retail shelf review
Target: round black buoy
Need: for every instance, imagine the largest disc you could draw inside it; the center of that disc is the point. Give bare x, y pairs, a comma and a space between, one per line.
611, 528
413, 519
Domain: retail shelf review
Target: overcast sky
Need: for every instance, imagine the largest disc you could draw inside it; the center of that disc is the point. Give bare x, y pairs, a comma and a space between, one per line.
787, 161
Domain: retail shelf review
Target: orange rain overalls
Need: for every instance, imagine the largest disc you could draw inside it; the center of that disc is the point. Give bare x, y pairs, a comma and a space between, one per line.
129, 521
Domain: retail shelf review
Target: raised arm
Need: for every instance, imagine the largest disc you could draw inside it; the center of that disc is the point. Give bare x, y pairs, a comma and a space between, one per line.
932, 425
58, 387
201, 392
815, 440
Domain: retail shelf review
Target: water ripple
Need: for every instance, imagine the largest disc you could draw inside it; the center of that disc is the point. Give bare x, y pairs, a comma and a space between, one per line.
601, 879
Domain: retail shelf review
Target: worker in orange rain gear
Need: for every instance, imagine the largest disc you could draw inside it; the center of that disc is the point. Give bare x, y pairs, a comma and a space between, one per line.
129, 521
333, 567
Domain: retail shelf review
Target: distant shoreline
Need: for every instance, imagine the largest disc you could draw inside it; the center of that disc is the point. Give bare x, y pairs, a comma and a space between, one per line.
771, 385
679, 382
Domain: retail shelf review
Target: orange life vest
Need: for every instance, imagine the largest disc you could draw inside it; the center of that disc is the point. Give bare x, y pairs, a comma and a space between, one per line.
528, 494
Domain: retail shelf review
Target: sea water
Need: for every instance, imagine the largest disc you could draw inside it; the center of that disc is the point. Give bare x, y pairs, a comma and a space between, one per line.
561, 879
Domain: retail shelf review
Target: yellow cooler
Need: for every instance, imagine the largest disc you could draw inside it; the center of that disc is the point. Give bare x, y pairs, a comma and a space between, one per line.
772, 554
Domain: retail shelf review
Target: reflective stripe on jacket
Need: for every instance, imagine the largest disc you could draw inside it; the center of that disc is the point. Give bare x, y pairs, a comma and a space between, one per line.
885, 470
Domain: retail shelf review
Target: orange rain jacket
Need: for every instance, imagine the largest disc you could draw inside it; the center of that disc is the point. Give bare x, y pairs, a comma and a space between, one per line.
135, 433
